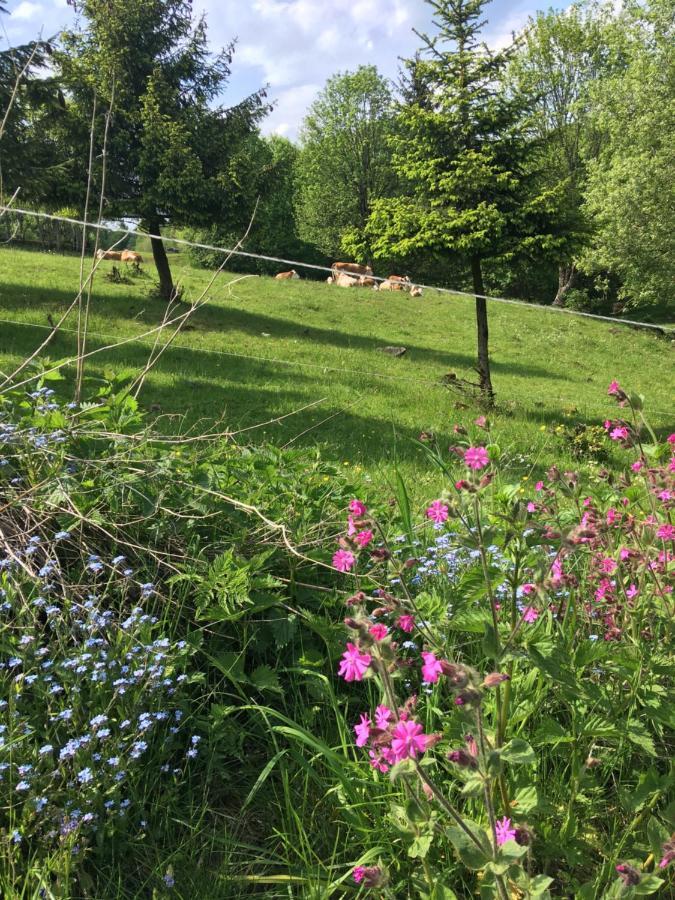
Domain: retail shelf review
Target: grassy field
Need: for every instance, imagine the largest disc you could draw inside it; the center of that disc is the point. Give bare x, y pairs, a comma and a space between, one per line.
260, 349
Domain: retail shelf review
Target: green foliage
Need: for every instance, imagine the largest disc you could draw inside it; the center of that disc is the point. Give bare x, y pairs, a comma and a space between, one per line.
344, 164
630, 191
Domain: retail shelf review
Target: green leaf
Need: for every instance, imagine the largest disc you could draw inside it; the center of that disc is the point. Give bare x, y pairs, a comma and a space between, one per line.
403, 501
472, 856
490, 641
441, 892
649, 884
518, 752
538, 887
526, 800
265, 679
551, 732
658, 834
639, 736
420, 846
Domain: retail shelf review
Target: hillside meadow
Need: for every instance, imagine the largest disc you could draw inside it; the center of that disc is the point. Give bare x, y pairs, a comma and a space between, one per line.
259, 350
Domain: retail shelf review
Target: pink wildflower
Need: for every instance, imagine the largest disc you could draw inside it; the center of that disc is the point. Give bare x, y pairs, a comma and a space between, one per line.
351, 527
531, 507
359, 873
556, 571
382, 716
671, 464
611, 516
481, 421
631, 592
637, 465
406, 623
528, 588
377, 761
379, 631
530, 614
343, 560
624, 554
362, 730
354, 663
357, 508
539, 486
666, 532
671, 438
613, 388
504, 831
431, 669
608, 565
408, 739
665, 496
476, 457
620, 433
363, 538
437, 512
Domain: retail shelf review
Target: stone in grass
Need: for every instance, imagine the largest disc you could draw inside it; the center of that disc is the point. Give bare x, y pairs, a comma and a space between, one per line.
393, 351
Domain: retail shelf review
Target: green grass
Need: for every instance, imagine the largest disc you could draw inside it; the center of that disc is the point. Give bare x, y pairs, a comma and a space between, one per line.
261, 349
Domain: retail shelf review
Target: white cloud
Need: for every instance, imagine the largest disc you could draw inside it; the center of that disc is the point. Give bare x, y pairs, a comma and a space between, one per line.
28, 11
295, 45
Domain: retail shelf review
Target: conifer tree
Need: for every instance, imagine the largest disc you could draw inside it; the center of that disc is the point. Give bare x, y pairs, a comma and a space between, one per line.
461, 156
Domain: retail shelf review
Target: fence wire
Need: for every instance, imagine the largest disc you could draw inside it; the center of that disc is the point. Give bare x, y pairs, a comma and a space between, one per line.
312, 266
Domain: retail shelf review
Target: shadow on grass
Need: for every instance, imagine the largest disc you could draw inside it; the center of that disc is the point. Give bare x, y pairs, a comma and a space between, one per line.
213, 319
188, 387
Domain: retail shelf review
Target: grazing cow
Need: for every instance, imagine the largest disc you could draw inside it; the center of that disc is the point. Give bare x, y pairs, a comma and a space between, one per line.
344, 280
130, 256
416, 292
109, 254
351, 269
283, 276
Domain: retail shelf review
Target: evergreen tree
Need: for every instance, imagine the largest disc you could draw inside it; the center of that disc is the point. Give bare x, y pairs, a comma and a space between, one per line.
462, 158
169, 146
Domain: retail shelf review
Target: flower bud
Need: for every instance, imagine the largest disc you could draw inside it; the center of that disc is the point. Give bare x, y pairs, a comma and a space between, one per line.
351, 623
485, 480
380, 554
356, 599
409, 563
524, 835
471, 744
592, 762
495, 678
628, 874
463, 759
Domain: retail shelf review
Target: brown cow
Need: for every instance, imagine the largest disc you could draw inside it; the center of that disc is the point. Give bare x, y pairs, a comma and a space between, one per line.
130, 256
342, 279
351, 269
402, 281
366, 281
109, 254
416, 292
282, 276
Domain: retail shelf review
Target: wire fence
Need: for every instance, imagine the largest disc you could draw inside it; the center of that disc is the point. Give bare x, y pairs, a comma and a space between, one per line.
326, 269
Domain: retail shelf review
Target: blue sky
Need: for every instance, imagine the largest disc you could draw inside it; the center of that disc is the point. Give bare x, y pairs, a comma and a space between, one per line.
293, 45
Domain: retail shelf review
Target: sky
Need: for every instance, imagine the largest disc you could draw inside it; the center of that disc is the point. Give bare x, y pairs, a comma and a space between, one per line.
293, 45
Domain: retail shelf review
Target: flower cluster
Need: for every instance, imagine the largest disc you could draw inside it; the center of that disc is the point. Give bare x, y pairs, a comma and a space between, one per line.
88, 690
358, 536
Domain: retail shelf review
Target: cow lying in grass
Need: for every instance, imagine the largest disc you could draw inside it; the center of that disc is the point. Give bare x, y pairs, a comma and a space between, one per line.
283, 276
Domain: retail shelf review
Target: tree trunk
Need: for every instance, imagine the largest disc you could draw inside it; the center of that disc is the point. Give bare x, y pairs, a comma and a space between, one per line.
482, 331
566, 277
166, 289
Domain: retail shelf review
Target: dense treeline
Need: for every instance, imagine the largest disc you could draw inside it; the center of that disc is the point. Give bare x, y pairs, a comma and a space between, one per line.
542, 171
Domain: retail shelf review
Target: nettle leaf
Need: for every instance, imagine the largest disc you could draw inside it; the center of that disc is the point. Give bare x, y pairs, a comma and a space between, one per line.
551, 732
639, 736
472, 620
441, 892
472, 856
265, 679
538, 887
518, 752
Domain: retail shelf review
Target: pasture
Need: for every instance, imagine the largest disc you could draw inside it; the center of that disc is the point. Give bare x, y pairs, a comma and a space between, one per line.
260, 349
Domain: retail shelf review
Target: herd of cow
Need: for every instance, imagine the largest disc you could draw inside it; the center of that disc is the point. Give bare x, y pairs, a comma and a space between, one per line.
343, 274
355, 275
